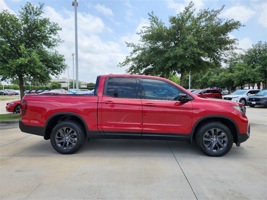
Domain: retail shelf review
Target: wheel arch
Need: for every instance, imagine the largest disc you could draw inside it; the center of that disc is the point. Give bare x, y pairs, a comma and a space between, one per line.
59, 117
222, 119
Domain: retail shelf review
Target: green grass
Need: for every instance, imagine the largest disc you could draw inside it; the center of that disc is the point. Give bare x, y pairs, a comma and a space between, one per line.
9, 116
6, 97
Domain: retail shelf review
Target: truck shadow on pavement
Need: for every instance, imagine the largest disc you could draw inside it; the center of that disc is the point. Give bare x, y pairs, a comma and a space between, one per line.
138, 147
120, 147
128, 147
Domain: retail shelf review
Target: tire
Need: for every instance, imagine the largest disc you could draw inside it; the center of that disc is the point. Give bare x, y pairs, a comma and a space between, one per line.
243, 101
214, 139
67, 137
252, 106
17, 109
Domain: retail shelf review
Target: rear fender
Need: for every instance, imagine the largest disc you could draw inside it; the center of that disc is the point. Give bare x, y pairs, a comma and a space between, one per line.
59, 117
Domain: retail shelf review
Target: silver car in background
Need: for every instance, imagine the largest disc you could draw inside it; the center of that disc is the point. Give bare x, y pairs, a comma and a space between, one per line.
241, 96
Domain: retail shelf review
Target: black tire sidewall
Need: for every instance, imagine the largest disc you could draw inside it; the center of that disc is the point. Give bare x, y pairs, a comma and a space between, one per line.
204, 129
245, 102
15, 109
80, 137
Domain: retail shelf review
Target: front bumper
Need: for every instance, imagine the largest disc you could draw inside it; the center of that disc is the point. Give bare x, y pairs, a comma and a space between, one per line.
243, 137
259, 103
9, 109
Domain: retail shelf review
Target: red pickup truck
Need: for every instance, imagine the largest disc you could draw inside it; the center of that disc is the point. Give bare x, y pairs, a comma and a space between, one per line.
135, 106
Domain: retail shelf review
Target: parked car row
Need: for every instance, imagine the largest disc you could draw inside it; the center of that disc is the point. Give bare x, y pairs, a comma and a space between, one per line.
250, 97
208, 93
9, 92
241, 96
35, 91
258, 99
13, 106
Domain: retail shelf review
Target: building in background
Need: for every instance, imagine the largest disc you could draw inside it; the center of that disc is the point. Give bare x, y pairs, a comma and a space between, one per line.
64, 83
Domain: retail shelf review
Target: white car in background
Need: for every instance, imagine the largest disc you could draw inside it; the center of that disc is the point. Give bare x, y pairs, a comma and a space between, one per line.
241, 96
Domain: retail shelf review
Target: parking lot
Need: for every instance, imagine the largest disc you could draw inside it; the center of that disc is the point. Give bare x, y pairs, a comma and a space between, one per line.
133, 169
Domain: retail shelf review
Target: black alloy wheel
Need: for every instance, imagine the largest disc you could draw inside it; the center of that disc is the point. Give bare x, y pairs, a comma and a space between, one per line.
17, 109
67, 137
243, 101
214, 139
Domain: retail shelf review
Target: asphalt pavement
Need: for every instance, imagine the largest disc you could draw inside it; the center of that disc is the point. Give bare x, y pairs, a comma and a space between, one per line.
133, 169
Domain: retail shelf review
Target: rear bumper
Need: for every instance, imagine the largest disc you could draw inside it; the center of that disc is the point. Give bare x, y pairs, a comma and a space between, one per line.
35, 130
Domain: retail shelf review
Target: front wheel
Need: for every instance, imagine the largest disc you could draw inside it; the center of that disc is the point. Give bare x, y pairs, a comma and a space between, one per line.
17, 109
67, 137
243, 101
214, 139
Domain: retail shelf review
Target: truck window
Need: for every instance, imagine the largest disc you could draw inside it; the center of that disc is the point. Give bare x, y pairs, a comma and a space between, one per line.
122, 87
159, 90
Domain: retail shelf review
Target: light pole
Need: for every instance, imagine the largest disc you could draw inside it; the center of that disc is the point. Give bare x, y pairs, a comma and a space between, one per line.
68, 78
189, 80
75, 4
73, 71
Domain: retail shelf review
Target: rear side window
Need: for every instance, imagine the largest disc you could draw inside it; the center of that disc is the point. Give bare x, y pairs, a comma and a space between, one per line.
122, 87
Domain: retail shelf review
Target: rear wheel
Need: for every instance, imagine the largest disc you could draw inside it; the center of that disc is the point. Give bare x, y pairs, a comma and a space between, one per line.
67, 137
252, 106
214, 139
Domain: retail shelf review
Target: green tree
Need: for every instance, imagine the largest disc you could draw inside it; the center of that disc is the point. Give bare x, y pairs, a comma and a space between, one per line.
192, 42
55, 85
28, 44
256, 57
91, 86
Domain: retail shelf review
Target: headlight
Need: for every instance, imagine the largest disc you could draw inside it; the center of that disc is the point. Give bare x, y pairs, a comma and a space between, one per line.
234, 97
240, 108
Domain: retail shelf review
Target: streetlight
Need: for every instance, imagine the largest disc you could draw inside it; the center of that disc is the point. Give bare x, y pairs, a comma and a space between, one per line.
189, 80
68, 78
75, 4
73, 71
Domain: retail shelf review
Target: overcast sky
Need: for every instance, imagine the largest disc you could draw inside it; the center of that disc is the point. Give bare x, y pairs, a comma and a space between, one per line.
105, 25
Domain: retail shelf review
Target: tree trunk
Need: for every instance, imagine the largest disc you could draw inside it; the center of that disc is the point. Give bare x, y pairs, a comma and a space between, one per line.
21, 86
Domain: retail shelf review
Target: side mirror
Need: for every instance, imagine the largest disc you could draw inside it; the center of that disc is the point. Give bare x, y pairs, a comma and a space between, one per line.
182, 98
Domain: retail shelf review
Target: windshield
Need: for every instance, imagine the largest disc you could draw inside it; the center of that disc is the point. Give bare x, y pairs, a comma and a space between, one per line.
240, 92
263, 92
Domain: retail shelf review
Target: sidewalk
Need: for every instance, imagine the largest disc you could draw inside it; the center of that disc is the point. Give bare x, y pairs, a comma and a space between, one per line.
3, 106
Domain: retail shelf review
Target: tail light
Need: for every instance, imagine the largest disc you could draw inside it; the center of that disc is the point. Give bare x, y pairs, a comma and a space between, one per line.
23, 107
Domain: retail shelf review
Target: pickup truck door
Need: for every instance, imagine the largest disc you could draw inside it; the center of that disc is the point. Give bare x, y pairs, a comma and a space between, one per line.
162, 113
120, 108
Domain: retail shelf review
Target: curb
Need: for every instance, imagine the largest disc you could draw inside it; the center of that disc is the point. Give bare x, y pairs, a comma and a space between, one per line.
9, 122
